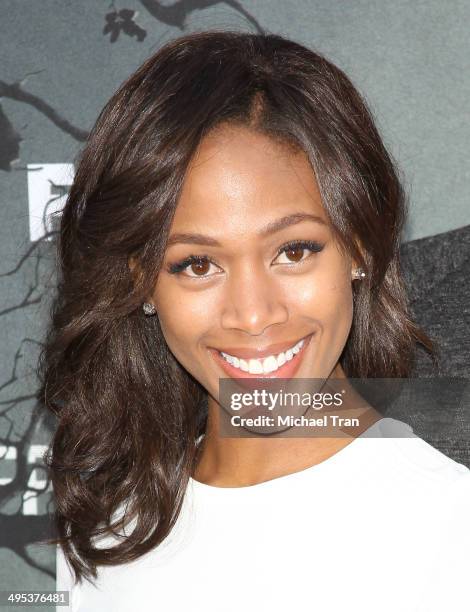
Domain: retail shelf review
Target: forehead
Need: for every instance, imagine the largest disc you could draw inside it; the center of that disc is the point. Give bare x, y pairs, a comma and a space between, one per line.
239, 178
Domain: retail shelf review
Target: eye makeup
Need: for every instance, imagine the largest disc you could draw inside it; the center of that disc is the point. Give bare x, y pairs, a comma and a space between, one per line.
310, 245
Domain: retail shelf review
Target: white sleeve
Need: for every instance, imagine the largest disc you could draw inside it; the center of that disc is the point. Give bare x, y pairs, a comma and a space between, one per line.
65, 581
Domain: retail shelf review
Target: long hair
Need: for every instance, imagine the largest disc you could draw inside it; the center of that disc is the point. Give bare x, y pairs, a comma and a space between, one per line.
128, 414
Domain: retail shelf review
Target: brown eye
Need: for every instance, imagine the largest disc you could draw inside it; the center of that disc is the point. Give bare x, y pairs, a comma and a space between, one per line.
295, 254
192, 267
200, 268
295, 251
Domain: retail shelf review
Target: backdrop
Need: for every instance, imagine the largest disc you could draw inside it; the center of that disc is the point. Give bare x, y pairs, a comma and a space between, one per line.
60, 62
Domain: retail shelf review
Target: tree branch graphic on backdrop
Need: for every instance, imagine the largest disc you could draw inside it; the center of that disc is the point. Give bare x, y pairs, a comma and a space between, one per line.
25, 492
20, 529
9, 138
175, 15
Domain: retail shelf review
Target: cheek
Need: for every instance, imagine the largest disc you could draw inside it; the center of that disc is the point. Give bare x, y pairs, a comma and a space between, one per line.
338, 306
328, 300
183, 315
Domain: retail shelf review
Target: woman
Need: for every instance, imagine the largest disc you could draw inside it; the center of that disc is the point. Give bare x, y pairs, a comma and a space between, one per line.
235, 215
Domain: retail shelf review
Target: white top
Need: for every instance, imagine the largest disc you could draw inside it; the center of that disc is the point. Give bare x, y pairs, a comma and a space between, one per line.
381, 525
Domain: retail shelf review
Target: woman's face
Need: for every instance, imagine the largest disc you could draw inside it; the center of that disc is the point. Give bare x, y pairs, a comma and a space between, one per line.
245, 294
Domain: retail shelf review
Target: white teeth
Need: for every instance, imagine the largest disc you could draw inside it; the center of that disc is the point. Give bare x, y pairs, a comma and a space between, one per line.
270, 364
243, 365
266, 365
255, 366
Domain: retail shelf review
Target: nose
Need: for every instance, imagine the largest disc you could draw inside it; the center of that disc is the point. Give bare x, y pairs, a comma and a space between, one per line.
254, 301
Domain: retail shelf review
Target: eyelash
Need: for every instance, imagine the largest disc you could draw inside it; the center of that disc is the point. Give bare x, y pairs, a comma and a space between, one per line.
180, 266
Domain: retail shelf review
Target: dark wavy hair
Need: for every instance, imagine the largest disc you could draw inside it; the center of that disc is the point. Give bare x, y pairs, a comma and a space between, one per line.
128, 414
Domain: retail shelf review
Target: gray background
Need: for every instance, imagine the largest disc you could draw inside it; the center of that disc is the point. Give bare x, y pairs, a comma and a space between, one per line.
58, 68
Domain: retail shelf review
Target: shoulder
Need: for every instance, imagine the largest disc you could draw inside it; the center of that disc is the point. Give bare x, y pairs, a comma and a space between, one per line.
420, 464
419, 453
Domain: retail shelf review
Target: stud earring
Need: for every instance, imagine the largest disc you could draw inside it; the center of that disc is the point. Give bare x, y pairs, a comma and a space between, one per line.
149, 309
359, 273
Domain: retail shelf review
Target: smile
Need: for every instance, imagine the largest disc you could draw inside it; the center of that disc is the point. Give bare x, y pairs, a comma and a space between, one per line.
282, 364
271, 363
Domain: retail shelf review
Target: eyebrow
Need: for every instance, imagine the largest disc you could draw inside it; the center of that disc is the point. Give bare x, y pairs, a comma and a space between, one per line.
268, 230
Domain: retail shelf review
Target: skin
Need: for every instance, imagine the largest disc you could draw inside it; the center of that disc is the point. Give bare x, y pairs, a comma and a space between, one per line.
237, 183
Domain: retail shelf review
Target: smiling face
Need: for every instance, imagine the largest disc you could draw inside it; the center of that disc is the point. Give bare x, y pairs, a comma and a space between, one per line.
248, 288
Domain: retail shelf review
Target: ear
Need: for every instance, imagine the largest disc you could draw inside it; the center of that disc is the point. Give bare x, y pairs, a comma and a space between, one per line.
354, 262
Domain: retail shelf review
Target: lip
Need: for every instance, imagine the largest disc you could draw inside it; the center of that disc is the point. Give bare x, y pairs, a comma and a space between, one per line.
251, 353
287, 370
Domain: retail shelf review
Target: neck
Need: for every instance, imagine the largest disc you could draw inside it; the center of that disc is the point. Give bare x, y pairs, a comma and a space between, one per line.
245, 461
